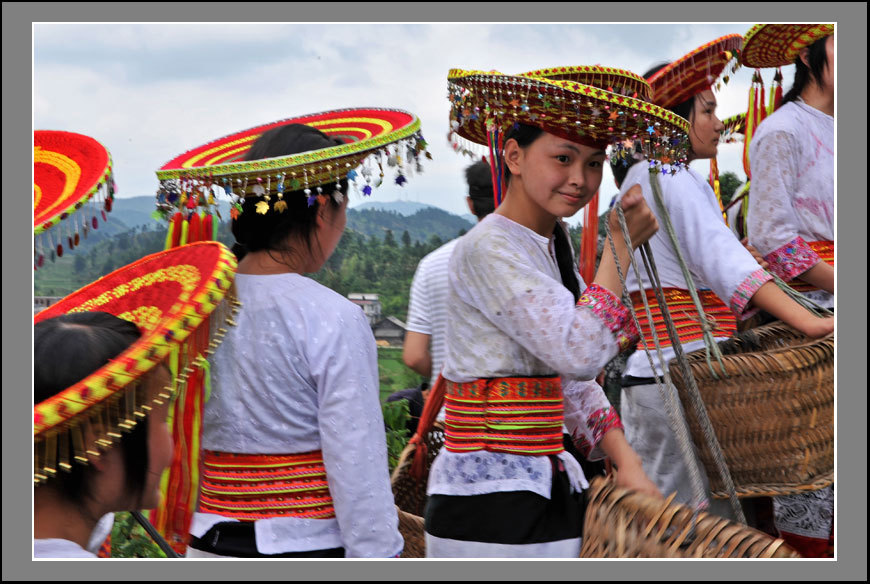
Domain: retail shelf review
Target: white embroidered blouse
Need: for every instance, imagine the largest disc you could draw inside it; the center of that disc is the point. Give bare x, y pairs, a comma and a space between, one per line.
716, 259
509, 315
299, 373
791, 201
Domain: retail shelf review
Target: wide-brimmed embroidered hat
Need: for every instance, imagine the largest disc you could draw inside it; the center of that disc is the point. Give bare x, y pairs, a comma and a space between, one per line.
486, 103
72, 186
696, 71
393, 136
181, 300
778, 45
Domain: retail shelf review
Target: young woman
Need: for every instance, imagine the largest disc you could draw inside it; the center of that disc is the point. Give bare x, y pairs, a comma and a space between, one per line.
728, 277
102, 389
295, 461
526, 337
791, 211
66, 510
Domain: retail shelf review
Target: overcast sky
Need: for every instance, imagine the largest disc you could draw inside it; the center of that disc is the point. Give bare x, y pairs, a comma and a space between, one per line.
151, 91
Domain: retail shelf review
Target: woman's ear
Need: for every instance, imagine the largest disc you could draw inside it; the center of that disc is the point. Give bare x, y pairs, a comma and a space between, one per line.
804, 55
513, 156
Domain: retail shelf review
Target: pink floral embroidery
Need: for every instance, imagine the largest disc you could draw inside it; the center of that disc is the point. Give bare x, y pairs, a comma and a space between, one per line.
792, 259
614, 314
747, 290
599, 423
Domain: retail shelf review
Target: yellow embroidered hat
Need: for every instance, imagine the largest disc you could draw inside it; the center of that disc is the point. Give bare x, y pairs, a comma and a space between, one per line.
778, 45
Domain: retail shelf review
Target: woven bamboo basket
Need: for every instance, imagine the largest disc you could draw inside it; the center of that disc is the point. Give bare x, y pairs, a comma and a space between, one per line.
625, 524
773, 414
410, 493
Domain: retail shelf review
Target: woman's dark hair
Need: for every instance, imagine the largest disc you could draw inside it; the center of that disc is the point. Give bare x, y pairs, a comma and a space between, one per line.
525, 135
479, 179
256, 232
68, 348
805, 75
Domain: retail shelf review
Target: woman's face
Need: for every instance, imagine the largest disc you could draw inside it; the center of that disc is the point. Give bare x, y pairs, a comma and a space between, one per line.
558, 176
828, 71
706, 127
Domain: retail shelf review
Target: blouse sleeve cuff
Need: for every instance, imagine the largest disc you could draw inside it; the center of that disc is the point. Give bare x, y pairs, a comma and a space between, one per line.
599, 423
747, 289
615, 315
792, 259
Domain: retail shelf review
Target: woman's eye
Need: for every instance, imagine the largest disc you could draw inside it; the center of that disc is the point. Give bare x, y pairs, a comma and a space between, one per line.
563, 158
595, 164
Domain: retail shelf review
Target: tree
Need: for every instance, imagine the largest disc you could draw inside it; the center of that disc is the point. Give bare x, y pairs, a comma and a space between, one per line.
79, 264
406, 238
728, 184
389, 240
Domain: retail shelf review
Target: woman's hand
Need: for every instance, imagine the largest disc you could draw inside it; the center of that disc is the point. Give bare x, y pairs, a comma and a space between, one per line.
629, 473
631, 476
639, 218
755, 254
816, 327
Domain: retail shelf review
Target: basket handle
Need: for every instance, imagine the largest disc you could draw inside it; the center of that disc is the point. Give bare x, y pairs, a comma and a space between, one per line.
433, 404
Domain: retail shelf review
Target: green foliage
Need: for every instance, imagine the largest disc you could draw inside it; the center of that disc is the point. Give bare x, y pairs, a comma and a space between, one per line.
396, 415
393, 373
130, 540
728, 183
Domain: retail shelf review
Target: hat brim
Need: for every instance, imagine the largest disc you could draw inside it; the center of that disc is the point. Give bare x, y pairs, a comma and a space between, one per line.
581, 113
778, 45
167, 295
695, 71
68, 170
362, 129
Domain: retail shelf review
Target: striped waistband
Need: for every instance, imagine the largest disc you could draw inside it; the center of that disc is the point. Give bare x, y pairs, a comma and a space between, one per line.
825, 249
685, 316
515, 415
249, 487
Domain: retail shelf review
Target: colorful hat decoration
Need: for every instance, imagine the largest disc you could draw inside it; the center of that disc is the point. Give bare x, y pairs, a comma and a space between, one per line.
778, 45
735, 127
486, 104
614, 80
181, 300
72, 185
696, 71
188, 181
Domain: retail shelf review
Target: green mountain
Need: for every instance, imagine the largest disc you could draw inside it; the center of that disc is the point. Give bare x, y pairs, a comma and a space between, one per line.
422, 226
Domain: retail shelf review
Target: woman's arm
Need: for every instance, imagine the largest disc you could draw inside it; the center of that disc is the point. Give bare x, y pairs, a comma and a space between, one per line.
344, 368
773, 300
821, 276
596, 431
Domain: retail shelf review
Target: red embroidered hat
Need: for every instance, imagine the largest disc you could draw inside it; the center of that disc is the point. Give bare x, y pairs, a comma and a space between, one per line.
393, 136
72, 183
168, 295
778, 45
696, 71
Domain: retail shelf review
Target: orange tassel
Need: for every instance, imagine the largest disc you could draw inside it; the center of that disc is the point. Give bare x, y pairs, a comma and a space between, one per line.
589, 240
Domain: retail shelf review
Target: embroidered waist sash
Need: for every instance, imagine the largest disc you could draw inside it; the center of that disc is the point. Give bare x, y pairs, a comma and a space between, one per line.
249, 487
825, 249
685, 316
515, 415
